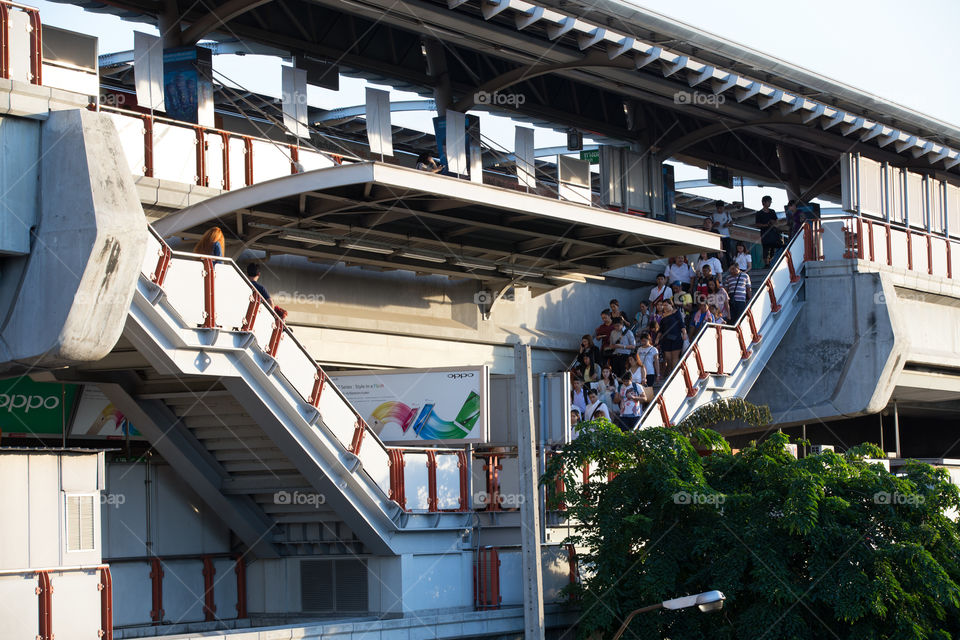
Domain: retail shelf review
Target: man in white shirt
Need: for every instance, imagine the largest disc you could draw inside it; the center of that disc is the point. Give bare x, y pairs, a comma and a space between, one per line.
679, 273
715, 267
721, 224
595, 408
660, 291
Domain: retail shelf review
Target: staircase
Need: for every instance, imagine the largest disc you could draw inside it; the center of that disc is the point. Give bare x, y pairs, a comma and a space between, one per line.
230, 398
724, 361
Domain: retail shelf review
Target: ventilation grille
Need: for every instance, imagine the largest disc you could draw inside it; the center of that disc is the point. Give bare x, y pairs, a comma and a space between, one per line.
333, 586
80, 525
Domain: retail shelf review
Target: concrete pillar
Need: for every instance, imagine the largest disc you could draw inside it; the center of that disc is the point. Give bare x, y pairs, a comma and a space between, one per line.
529, 508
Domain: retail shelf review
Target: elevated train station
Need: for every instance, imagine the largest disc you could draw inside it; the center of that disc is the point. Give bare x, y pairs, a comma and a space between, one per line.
238, 483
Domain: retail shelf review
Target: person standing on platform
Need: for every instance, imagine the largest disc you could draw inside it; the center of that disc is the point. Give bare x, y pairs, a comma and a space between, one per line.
766, 221
253, 272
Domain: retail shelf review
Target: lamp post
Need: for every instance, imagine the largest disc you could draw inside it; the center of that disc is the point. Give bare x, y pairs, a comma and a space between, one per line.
707, 601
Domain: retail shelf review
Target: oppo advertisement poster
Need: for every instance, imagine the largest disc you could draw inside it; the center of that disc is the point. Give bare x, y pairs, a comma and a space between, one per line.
419, 406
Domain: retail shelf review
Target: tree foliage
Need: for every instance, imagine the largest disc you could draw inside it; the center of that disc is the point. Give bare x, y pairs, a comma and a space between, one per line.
828, 546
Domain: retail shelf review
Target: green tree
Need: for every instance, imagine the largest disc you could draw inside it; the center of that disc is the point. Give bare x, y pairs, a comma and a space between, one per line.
828, 546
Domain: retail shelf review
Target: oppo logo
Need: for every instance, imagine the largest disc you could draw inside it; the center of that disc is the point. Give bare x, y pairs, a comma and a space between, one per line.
458, 376
20, 401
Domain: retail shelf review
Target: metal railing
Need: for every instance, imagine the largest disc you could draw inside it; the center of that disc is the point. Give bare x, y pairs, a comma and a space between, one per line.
213, 293
718, 349
7, 10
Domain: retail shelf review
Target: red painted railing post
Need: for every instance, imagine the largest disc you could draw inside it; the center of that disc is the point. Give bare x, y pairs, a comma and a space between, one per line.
744, 352
359, 429
463, 464
572, 559
248, 160
929, 254
701, 371
889, 245
156, 584
275, 337
774, 306
691, 390
147, 145
294, 158
240, 569
250, 318
487, 573
44, 593
720, 349
318, 379
226, 160
870, 239
106, 603
909, 250
397, 493
432, 481
163, 263
210, 316
793, 272
209, 603
664, 415
493, 481
201, 143
755, 335
949, 260
36, 47
4, 41
859, 238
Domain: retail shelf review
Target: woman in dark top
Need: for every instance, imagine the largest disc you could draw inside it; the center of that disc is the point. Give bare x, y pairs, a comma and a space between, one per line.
589, 371
587, 348
672, 334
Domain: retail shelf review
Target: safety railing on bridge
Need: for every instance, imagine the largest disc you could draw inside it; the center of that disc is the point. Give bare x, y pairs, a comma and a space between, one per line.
721, 350
157, 147
20, 32
212, 293
899, 247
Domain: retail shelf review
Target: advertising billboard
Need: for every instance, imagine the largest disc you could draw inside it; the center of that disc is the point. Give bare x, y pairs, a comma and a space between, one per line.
419, 406
29, 408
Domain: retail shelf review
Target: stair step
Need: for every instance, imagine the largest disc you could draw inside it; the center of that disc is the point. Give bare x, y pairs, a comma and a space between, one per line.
271, 465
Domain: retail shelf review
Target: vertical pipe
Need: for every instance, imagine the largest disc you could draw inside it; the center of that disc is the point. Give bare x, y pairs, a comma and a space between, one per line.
880, 415
896, 428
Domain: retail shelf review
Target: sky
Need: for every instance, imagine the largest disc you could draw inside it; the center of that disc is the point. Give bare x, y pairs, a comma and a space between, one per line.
894, 49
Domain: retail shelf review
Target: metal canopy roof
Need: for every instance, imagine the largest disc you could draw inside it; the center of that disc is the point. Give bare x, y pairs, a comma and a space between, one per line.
398, 218
610, 69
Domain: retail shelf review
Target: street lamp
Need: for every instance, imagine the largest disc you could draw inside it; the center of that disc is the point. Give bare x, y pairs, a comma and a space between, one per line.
707, 601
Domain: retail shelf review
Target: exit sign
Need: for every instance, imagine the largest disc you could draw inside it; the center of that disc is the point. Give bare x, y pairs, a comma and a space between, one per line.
592, 156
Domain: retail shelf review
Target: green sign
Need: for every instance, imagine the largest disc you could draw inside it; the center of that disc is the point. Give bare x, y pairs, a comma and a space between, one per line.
39, 408
592, 156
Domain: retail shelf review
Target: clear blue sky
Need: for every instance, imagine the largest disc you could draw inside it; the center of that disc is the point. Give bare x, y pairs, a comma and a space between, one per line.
900, 51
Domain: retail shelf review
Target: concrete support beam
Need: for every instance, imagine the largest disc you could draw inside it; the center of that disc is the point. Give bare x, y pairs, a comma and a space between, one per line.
530, 490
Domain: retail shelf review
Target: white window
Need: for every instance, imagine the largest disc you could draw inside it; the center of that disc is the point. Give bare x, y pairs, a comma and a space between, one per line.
80, 523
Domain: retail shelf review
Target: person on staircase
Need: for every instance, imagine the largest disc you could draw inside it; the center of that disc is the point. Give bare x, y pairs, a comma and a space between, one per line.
743, 259
737, 284
211, 243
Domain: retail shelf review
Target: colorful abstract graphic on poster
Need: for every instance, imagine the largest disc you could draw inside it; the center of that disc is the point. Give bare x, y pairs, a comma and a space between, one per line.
411, 406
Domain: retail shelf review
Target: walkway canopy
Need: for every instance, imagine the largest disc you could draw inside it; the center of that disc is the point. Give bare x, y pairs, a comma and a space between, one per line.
397, 218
